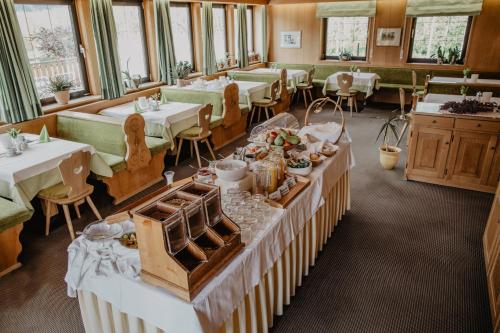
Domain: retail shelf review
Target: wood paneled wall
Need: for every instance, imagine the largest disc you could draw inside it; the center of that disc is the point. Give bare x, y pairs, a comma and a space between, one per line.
483, 51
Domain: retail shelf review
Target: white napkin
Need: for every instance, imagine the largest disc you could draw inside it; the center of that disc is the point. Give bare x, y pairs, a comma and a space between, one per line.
324, 132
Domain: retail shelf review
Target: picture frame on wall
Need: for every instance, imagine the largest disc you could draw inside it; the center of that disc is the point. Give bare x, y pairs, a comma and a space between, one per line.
388, 36
291, 39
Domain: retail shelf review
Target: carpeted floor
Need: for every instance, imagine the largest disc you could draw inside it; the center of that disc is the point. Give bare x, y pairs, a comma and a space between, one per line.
406, 258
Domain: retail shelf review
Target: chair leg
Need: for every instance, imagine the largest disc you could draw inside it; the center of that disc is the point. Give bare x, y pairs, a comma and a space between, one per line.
191, 148
93, 207
195, 143
349, 101
355, 101
337, 106
210, 149
68, 221
310, 95
251, 116
179, 148
259, 110
47, 216
267, 113
77, 210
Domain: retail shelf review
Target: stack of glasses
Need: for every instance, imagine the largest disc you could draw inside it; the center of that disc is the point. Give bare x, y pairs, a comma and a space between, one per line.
250, 212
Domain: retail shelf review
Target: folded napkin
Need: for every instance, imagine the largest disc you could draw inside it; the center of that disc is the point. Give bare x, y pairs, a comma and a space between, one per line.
324, 132
44, 135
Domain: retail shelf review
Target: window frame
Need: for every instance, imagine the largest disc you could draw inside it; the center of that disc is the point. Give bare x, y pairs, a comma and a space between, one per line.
142, 22
353, 58
190, 25
78, 41
463, 52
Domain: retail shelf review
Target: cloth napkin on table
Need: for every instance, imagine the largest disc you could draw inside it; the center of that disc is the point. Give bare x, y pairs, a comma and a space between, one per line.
87, 259
44, 135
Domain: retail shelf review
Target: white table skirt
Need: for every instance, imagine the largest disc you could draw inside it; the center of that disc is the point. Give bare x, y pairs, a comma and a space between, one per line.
363, 82
291, 247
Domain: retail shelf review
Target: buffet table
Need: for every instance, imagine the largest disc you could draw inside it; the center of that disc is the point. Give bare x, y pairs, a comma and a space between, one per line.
244, 296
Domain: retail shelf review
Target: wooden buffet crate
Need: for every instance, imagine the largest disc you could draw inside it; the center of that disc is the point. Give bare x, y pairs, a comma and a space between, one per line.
187, 271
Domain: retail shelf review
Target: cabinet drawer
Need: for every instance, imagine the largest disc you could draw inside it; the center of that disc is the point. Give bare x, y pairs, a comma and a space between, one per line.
441, 122
478, 125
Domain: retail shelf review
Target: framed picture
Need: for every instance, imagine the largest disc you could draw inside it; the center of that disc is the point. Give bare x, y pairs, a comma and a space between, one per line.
290, 39
388, 36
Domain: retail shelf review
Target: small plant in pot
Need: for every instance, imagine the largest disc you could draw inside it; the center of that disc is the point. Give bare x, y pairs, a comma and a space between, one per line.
389, 155
466, 72
345, 55
439, 56
60, 86
183, 69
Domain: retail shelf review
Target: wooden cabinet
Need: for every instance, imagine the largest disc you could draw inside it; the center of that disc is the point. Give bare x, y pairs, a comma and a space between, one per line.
491, 245
455, 151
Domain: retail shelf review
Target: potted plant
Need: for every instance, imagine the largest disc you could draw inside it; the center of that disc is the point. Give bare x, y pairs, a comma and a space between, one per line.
129, 80
183, 69
353, 68
439, 56
389, 155
466, 72
463, 91
453, 55
60, 86
345, 55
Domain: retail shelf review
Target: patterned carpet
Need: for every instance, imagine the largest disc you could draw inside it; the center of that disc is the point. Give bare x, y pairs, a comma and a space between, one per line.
407, 258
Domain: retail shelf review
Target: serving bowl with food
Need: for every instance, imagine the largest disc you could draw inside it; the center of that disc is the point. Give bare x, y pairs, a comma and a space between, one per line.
231, 170
301, 167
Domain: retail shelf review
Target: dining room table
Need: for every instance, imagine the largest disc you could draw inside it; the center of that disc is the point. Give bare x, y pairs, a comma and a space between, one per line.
362, 82
24, 175
170, 119
294, 76
249, 91
244, 297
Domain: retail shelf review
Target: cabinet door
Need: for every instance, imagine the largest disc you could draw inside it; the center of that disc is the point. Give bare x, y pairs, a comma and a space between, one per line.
429, 152
470, 159
494, 176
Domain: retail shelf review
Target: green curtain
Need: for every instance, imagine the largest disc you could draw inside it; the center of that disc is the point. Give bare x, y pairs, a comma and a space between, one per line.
265, 41
18, 96
346, 8
166, 52
241, 14
103, 24
443, 7
207, 25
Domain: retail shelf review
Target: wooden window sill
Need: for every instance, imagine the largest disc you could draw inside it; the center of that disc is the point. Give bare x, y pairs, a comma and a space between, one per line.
143, 86
51, 108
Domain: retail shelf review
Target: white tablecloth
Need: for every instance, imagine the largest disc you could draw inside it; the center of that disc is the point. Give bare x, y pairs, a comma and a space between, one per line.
217, 301
294, 76
24, 175
177, 115
460, 81
363, 82
433, 108
443, 98
249, 91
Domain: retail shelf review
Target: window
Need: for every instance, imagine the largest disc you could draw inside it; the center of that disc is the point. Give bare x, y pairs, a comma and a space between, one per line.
346, 35
219, 15
430, 33
181, 32
132, 48
52, 42
249, 30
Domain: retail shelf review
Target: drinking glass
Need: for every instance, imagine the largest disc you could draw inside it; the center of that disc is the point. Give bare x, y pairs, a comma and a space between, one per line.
246, 233
169, 177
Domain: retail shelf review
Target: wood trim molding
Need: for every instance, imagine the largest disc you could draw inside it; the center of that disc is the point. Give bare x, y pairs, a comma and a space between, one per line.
196, 32
150, 31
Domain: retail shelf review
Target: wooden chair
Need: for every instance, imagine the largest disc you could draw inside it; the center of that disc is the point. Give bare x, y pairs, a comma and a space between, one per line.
403, 117
285, 94
346, 92
232, 111
266, 103
306, 87
197, 133
72, 191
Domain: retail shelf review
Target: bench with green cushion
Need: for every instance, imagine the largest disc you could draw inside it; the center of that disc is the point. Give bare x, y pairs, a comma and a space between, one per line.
247, 76
11, 214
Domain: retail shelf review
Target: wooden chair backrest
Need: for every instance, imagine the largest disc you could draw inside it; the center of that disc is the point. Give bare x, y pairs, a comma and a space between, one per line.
138, 154
402, 99
204, 116
232, 112
74, 171
284, 76
310, 76
275, 88
344, 81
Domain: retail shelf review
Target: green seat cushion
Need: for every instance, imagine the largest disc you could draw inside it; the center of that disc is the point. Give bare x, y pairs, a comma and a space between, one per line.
12, 214
244, 108
194, 96
398, 85
191, 132
302, 85
115, 162
57, 191
216, 121
157, 145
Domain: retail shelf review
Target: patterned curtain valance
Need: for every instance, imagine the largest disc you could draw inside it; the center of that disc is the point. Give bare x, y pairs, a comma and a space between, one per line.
443, 7
346, 8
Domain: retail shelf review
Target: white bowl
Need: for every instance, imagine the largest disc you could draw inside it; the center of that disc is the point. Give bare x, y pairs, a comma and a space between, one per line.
231, 170
300, 171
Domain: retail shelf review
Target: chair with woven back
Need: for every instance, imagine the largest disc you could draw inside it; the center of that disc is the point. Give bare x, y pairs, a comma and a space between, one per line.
346, 92
266, 103
307, 86
72, 190
199, 133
